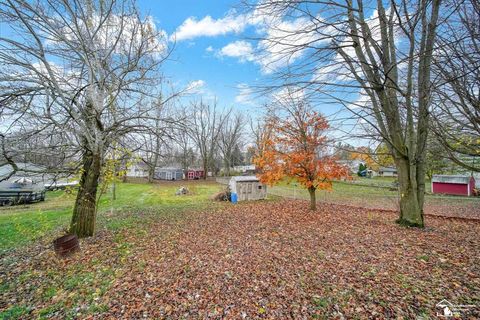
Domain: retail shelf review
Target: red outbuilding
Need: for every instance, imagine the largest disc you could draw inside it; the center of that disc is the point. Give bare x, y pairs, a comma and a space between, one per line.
456, 185
194, 174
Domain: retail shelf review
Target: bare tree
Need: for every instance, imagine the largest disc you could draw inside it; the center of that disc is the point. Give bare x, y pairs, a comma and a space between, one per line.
81, 70
184, 151
205, 126
382, 51
457, 98
161, 130
230, 137
259, 132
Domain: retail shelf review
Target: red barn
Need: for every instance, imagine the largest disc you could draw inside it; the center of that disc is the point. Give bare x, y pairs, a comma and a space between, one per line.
194, 174
456, 185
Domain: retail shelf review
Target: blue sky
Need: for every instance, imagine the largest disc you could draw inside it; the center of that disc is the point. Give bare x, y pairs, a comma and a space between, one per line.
212, 48
198, 56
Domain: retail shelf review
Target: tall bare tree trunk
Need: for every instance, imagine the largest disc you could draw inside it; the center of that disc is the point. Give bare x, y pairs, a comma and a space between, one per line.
313, 198
84, 211
153, 165
411, 194
205, 169
151, 173
226, 163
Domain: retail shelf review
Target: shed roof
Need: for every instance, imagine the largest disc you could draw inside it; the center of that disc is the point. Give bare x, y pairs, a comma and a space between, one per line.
245, 179
169, 169
451, 179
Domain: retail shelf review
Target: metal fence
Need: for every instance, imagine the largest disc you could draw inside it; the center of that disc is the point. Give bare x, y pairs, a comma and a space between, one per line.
382, 198
223, 180
376, 197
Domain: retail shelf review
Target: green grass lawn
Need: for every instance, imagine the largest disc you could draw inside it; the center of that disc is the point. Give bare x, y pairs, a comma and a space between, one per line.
22, 224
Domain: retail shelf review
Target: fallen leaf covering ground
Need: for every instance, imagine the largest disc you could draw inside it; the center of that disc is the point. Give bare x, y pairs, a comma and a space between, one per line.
271, 260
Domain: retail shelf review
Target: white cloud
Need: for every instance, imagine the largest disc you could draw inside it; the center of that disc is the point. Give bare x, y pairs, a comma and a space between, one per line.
242, 50
338, 70
209, 27
362, 101
245, 95
285, 41
196, 86
289, 95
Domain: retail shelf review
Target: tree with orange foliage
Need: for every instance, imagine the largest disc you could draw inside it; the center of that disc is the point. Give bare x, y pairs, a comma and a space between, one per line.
296, 149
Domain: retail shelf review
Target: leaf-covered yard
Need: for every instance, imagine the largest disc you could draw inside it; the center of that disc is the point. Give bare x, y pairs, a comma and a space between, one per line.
272, 260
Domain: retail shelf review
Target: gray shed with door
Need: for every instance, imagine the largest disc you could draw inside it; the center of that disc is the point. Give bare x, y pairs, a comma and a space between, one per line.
168, 174
248, 188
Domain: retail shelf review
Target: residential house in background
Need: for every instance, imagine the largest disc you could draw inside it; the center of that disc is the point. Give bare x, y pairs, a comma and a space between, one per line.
137, 170
353, 164
245, 169
387, 172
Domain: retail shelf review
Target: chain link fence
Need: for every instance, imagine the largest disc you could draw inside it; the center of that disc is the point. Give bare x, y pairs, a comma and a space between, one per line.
377, 195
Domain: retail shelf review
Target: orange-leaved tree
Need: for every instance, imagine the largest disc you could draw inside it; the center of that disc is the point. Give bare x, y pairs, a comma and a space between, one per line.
296, 149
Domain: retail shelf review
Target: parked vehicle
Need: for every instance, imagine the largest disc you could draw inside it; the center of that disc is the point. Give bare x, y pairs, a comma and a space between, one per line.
22, 190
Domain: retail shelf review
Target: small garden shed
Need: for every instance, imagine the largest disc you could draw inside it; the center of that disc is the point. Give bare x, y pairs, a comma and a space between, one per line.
248, 188
456, 185
194, 174
169, 174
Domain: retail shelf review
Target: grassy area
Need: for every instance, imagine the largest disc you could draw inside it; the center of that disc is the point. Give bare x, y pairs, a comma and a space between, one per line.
151, 243
62, 289
22, 224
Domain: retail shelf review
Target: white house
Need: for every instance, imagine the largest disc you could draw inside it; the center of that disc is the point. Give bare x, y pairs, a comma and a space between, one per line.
245, 168
137, 170
387, 172
352, 164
